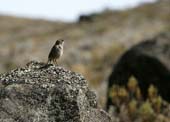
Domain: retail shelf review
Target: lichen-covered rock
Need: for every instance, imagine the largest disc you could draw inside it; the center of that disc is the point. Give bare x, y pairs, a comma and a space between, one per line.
36, 93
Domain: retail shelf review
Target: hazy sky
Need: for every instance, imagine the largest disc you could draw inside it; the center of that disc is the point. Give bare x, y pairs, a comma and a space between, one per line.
67, 10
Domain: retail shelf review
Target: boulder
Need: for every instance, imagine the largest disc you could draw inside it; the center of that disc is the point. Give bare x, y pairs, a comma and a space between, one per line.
149, 62
39, 93
86, 18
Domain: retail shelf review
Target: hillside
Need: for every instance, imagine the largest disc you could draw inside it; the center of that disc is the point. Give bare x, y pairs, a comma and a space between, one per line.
91, 47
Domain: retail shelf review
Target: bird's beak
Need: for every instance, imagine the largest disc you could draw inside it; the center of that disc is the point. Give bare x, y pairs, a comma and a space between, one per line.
63, 41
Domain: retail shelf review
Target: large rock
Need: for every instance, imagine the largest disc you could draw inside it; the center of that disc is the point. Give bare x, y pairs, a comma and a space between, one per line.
36, 93
149, 62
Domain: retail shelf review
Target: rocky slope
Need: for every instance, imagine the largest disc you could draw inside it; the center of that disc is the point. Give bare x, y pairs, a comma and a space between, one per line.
91, 47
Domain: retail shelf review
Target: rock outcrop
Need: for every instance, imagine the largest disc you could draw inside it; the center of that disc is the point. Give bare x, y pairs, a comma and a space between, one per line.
149, 63
85, 18
36, 93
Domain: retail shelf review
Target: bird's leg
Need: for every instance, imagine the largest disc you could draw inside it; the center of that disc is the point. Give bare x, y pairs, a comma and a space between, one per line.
56, 62
53, 62
49, 61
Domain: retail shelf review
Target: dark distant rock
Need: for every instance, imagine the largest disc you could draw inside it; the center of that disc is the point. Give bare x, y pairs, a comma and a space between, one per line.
85, 18
50, 94
149, 62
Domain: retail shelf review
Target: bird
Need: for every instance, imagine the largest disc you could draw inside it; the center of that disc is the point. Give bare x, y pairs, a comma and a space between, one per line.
56, 52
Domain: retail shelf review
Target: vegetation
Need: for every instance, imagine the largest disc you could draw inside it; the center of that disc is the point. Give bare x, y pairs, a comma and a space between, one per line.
129, 106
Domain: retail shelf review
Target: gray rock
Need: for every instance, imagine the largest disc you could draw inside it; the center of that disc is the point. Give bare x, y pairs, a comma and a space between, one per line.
149, 62
36, 93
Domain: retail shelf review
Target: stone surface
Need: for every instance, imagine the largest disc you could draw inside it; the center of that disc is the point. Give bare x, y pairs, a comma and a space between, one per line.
36, 93
148, 61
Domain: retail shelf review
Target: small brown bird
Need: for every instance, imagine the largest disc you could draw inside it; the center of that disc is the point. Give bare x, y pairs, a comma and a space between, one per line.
56, 51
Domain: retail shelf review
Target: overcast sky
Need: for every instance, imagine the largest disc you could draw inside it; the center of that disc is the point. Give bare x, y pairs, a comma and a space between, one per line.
65, 10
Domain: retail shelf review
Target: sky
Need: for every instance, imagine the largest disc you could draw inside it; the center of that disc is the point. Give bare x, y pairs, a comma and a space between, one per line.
64, 10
